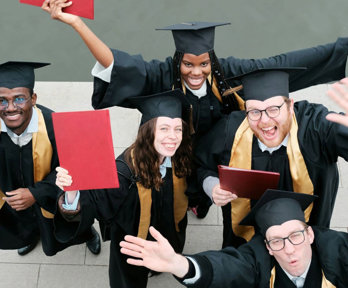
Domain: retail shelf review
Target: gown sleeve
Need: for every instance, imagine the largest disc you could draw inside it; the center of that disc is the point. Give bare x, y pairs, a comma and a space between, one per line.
324, 63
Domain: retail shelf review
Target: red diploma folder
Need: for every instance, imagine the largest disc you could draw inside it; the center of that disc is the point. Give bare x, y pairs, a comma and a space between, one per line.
247, 183
83, 8
85, 148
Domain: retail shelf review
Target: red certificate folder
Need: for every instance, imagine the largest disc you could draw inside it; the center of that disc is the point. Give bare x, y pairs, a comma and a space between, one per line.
83, 8
247, 183
85, 148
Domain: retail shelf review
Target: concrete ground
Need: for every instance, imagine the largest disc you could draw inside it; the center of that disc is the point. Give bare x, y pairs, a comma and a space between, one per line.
76, 267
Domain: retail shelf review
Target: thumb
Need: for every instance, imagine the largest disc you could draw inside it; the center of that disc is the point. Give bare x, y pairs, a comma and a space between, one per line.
156, 235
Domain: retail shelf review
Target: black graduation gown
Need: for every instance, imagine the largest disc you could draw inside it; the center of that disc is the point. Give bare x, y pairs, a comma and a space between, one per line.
118, 212
320, 141
18, 229
250, 265
132, 76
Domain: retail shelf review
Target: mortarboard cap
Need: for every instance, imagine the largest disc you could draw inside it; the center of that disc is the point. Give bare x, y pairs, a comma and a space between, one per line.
170, 103
265, 83
18, 74
276, 207
194, 37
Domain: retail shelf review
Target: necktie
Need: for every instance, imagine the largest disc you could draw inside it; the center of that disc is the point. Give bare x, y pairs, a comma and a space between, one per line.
298, 281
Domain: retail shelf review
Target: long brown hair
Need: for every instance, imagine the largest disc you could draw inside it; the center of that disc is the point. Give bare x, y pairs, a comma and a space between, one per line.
146, 160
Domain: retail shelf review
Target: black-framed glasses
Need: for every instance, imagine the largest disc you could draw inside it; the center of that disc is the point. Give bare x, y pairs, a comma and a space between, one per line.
295, 238
18, 102
271, 112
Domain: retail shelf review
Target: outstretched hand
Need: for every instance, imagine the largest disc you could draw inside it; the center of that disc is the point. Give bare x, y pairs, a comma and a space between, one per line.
156, 255
339, 93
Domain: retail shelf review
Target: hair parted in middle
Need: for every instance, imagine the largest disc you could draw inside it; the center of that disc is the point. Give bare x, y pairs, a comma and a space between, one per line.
146, 160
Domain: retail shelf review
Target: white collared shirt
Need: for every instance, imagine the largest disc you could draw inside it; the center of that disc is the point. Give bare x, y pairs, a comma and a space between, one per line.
27, 135
264, 148
303, 275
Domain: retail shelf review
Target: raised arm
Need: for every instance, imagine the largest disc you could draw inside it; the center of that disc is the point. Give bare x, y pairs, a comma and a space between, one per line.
98, 48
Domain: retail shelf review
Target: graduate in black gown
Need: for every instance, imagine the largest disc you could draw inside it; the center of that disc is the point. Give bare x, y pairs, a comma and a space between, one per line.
152, 174
275, 134
285, 252
196, 70
28, 158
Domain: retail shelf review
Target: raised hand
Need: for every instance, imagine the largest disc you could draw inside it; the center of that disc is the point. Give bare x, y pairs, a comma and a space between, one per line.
156, 255
54, 8
339, 93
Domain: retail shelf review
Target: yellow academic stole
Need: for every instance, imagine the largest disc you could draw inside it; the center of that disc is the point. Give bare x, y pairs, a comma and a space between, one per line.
241, 156
180, 204
42, 155
324, 283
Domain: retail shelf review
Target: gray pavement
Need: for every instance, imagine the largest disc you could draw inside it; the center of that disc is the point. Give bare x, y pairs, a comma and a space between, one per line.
76, 267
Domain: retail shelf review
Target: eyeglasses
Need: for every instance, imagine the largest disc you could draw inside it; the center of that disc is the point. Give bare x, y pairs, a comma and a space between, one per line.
18, 102
271, 112
295, 238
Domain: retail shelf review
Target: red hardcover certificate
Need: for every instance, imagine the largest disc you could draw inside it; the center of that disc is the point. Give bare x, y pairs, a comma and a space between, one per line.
247, 183
85, 148
83, 8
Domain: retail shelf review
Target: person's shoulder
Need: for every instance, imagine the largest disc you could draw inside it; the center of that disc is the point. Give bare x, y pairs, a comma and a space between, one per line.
328, 239
45, 110
123, 168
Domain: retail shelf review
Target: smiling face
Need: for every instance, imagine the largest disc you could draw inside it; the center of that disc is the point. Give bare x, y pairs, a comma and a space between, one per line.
271, 131
292, 258
168, 136
195, 69
16, 118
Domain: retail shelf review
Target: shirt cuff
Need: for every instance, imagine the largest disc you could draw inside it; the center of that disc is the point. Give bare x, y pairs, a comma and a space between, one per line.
101, 72
197, 272
208, 184
72, 206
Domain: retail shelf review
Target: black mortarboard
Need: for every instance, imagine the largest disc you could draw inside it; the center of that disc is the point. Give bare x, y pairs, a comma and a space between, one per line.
169, 104
18, 74
265, 83
276, 207
194, 37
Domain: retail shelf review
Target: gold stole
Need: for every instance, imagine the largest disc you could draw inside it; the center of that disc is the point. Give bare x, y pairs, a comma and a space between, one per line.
180, 204
324, 283
42, 155
241, 158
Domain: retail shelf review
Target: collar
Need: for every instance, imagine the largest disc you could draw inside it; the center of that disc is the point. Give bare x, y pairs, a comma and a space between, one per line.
264, 148
167, 163
200, 92
303, 275
26, 136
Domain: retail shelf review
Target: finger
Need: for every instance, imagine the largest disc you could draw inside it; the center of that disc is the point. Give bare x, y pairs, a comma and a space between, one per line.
134, 240
131, 253
135, 262
131, 246
156, 234
11, 193
62, 170
338, 118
